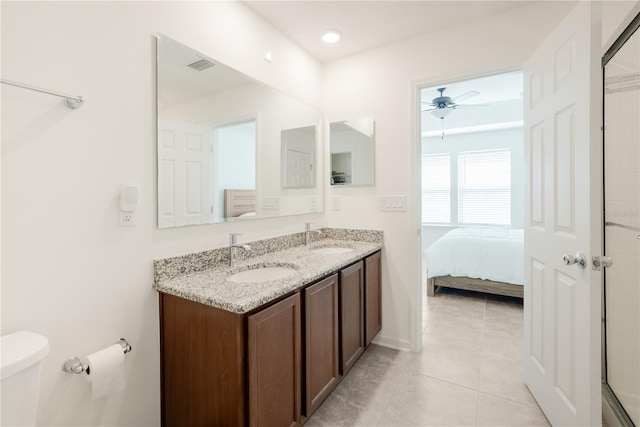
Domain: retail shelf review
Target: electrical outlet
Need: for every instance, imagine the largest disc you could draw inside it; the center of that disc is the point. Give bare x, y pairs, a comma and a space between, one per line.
127, 219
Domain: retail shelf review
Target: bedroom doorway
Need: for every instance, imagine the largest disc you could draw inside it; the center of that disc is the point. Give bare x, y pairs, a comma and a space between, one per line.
472, 186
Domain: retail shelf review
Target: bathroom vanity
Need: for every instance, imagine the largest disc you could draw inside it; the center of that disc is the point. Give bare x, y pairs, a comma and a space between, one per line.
268, 352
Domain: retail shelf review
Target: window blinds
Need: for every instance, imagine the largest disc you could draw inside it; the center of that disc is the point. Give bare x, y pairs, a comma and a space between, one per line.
484, 187
436, 193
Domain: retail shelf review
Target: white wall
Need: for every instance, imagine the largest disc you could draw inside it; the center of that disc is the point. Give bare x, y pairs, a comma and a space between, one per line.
68, 271
382, 83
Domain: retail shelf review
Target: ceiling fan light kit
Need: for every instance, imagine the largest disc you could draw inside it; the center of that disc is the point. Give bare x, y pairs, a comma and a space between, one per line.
441, 113
441, 106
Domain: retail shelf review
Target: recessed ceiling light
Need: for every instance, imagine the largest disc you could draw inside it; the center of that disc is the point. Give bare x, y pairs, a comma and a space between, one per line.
331, 36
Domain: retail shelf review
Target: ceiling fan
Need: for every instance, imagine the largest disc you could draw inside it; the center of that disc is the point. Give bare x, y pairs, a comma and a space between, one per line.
441, 106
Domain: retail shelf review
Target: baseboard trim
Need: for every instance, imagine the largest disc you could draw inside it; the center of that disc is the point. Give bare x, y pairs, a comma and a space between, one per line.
393, 343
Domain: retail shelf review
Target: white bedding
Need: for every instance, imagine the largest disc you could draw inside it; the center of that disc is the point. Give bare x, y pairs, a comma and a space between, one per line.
483, 253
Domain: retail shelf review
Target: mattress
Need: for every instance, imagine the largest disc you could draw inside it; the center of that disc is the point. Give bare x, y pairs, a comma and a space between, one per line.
480, 252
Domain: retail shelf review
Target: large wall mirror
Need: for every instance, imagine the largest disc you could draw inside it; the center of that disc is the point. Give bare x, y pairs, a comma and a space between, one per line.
230, 148
352, 152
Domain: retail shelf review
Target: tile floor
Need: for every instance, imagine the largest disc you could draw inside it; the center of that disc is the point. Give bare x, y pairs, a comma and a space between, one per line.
469, 373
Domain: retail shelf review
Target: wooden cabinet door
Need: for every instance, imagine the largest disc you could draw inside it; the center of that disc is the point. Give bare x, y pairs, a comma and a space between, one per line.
202, 352
321, 341
275, 365
372, 294
351, 315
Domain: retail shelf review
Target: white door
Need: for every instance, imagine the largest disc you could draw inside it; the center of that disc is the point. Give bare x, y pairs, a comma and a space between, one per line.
562, 310
184, 162
298, 168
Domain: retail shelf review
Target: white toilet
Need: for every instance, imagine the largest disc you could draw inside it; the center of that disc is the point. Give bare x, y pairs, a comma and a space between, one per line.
21, 354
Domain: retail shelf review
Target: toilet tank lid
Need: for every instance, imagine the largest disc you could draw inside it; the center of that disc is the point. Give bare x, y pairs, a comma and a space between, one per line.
20, 350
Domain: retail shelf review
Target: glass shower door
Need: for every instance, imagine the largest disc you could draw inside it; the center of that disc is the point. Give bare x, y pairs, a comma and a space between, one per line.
622, 225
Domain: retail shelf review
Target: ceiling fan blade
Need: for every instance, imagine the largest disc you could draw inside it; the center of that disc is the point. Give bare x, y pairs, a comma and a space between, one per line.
471, 105
466, 95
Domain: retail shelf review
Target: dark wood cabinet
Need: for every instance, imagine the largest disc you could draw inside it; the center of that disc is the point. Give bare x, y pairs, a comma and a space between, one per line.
275, 364
322, 370
373, 297
351, 315
201, 360
211, 359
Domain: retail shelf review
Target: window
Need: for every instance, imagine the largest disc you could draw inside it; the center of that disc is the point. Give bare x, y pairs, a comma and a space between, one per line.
484, 187
467, 188
436, 189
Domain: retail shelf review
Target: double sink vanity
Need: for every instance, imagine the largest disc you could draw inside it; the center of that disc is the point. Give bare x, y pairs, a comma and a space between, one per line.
258, 333
264, 341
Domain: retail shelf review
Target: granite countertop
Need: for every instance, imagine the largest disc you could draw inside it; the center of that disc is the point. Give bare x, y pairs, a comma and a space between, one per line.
212, 288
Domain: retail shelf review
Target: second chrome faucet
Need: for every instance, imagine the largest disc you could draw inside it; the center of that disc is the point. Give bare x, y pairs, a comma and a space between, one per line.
308, 231
233, 245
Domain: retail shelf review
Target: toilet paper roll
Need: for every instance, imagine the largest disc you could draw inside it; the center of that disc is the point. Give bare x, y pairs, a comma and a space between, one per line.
106, 371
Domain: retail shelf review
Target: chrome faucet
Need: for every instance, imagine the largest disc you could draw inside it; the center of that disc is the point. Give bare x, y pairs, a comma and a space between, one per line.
308, 231
233, 244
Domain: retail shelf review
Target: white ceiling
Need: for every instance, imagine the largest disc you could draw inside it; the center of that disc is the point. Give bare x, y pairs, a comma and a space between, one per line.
369, 24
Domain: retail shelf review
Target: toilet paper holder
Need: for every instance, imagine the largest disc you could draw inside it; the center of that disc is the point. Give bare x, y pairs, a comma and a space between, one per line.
75, 365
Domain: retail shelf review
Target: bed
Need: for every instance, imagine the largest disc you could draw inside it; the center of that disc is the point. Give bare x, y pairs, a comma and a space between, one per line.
480, 259
239, 203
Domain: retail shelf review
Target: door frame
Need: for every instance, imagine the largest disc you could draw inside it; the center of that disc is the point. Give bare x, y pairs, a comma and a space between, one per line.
417, 297
624, 32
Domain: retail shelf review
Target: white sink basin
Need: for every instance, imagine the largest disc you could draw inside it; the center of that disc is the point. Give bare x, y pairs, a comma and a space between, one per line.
262, 274
332, 250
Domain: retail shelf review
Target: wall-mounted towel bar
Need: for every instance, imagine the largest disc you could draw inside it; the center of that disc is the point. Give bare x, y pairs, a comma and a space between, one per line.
70, 101
75, 365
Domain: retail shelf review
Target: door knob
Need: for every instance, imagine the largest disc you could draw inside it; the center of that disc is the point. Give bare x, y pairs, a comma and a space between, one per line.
580, 259
598, 262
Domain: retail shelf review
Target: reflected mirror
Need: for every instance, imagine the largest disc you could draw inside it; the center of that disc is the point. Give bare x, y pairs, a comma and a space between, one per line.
298, 149
230, 148
352, 152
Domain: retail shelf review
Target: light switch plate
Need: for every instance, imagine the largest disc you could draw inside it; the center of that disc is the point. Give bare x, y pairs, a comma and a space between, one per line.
393, 203
270, 203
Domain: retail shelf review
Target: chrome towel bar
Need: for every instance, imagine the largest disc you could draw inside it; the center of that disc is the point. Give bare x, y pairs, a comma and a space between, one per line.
70, 101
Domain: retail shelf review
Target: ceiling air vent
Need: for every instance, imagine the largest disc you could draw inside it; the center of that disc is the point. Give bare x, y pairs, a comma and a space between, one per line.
201, 64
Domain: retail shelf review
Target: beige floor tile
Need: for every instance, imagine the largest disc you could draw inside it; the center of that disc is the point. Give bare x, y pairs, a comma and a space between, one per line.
336, 411
457, 362
456, 328
505, 328
368, 385
503, 378
494, 411
469, 305
425, 401
503, 310
508, 348
392, 421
